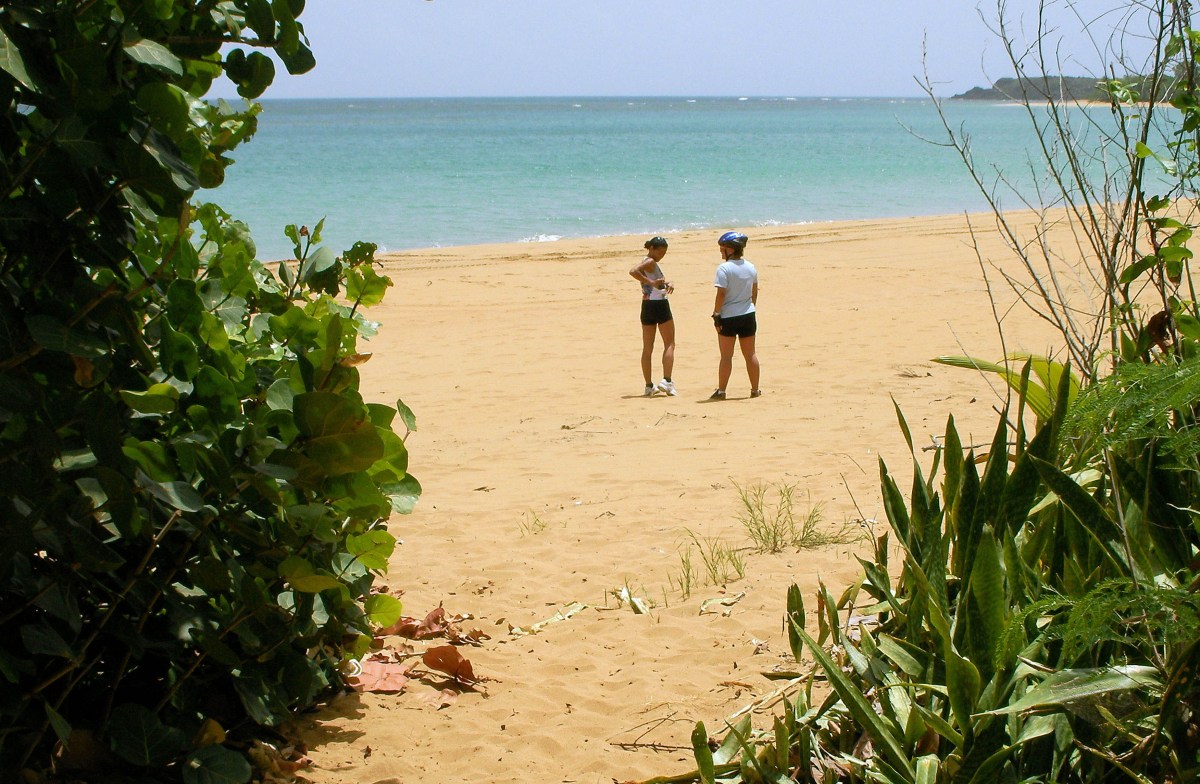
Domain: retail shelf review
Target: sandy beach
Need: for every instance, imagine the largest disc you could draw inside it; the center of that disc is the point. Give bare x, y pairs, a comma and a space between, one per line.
551, 484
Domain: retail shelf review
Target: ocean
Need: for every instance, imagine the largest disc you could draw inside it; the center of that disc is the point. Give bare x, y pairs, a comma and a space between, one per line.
417, 173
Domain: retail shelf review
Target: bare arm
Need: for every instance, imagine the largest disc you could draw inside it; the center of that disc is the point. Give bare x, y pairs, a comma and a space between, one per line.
641, 272
718, 302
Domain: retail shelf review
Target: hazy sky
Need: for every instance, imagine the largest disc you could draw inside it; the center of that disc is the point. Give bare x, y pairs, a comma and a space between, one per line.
396, 48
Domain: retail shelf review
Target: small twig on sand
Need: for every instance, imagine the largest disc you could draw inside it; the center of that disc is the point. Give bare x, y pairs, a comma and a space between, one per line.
650, 726
767, 700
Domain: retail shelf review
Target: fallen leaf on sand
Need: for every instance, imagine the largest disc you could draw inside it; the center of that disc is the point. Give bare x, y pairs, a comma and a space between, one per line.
561, 615
432, 625
447, 659
441, 699
379, 676
723, 601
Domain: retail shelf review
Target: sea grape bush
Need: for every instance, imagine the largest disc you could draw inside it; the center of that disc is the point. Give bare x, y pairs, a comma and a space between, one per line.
193, 491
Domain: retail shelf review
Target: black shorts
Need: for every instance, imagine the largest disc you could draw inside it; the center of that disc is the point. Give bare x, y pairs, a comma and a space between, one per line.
739, 326
655, 311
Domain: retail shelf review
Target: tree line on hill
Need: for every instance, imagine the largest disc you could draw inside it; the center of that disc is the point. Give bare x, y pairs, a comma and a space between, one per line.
1066, 88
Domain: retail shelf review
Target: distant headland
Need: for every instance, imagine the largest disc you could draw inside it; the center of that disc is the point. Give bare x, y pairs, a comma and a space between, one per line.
1045, 88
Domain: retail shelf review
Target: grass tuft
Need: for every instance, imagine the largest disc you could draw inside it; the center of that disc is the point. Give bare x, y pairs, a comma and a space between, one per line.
773, 525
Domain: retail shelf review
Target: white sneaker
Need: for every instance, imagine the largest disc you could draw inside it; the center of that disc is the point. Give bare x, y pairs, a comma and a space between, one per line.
667, 386
650, 390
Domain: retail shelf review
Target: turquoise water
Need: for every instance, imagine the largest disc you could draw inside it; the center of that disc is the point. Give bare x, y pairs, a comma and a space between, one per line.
413, 173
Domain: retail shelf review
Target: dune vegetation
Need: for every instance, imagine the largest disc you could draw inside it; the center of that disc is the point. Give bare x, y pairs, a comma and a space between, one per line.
1032, 612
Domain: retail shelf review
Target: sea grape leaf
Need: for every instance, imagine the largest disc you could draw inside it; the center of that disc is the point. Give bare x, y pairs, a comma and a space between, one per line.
442, 699
447, 659
403, 495
155, 55
13, 64
432, 625
138, 736
372, 549
379, 676
178, 495
341, 438
216, 765
54, 335
383, 609
42, 639
301, 575
366, 286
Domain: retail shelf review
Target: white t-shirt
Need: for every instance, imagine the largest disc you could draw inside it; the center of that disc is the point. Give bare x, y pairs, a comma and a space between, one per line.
737, 277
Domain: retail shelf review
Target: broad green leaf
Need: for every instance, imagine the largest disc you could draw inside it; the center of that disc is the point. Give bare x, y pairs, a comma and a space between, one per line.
403, 495
301, 575
13, 64
155, 55
1135, 270
159, 9
963, 684
317, 262
280, 395
1188, 325
341, 438
1174, 254
407, 415
54, 335
168, 107
166, 155
216, 392
260, 19
382, 609
138, 736
179, 354
43, 639
152, 458
372, 548
177, 495
795, 620
61, 728
216, 765
366, 286
988, 592
158, 399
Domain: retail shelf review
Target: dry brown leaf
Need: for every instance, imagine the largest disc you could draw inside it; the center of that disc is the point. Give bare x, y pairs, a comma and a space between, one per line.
447, 659
379, 676
441, 699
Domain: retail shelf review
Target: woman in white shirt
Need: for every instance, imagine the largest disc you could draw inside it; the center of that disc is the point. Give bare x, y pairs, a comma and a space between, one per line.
733, 311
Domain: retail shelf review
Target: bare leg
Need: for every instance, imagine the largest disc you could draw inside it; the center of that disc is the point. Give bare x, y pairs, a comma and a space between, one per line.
647, 350
726, 366
667, 330
747, 346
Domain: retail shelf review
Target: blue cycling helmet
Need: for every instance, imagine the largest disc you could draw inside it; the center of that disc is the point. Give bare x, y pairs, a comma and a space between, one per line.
733, 239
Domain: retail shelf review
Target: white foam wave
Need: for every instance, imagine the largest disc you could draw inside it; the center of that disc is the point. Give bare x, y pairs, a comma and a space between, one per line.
542, 238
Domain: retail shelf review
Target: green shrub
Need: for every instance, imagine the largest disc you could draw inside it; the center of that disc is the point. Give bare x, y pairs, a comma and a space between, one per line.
193, 490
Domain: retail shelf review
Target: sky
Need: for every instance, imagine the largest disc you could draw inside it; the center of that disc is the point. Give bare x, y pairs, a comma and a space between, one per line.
799, 48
